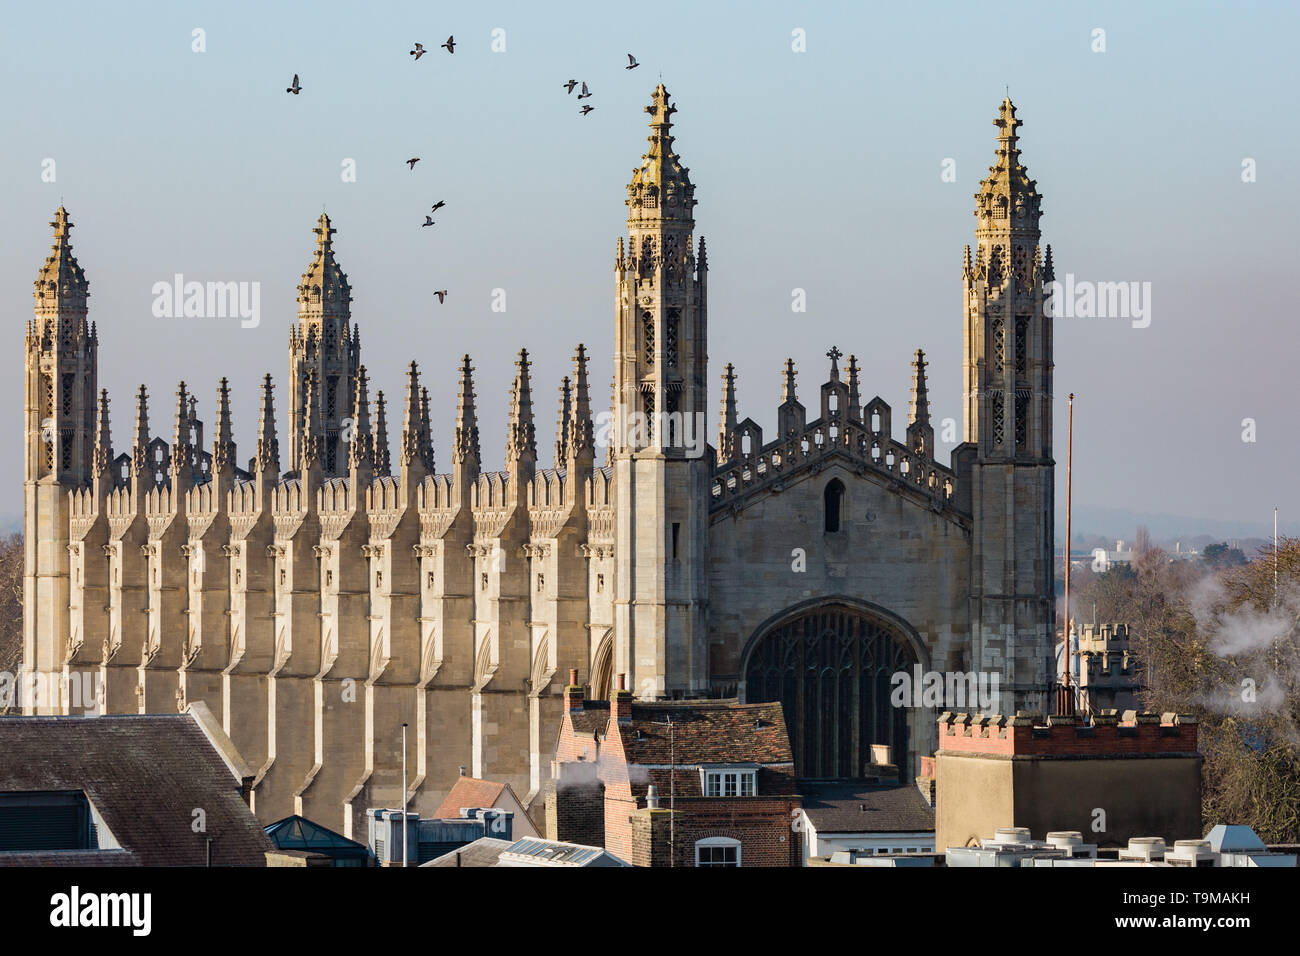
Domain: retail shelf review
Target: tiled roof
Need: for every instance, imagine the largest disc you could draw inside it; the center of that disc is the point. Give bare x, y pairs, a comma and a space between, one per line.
146, 775
592, 719
469, 792
835, 807
704, 732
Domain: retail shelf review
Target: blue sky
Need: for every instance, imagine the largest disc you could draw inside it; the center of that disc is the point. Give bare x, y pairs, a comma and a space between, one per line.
817, 170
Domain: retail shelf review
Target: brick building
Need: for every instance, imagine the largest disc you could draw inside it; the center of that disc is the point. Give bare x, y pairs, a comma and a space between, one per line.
675, 783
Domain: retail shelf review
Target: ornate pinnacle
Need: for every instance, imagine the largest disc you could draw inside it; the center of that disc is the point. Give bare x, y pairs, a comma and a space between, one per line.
426, 431
855, 390
268, 446
467, 447
383, 456
140, 449
581, 437
562, 429
312, 440
521, 438
787, 382
61, 280
324, 287
920, 410
727, 425
103, 437
361, 452
223, 445
411, 442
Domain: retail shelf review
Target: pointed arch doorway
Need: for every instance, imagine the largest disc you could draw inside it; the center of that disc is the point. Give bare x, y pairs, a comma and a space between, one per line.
829, 663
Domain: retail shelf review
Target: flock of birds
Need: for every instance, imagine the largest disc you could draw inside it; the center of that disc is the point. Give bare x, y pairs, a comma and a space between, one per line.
450, 46
632, 64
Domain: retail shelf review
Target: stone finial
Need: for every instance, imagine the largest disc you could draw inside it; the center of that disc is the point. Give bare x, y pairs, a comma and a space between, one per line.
919, 411
702, 261
1007, 197
426, 431
855, 390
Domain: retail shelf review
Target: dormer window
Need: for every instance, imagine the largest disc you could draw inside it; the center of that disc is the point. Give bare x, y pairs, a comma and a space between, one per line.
730, 782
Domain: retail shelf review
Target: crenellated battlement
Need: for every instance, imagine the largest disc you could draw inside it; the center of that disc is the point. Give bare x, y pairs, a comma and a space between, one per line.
1025, 734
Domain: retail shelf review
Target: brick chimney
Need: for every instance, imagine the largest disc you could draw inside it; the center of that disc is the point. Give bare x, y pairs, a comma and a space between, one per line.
620, 707
573, 695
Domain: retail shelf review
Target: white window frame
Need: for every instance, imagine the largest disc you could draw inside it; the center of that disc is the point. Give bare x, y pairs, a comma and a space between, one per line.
718, 842
730, 781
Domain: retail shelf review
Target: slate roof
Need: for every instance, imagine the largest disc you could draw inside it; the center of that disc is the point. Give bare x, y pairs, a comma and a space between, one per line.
469, 792
837, 807
592, 719
145, 774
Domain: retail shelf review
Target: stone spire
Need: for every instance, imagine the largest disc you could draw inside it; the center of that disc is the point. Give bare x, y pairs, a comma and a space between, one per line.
103, 456
182, 441
223, 444
919, 411
466, 453
661, 187
855, 390
562, 428
581, 438
140, 464
426, 432
361, 450
1008, 199
787, 382
383, 456
324, 289
412, 440
267, 461
790, 414
727, 426
61, 284
521, 434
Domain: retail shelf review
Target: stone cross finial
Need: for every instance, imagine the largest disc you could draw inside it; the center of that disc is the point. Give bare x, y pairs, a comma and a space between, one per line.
834, 355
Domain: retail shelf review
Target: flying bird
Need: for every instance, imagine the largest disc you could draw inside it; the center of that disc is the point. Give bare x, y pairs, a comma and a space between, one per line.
450, 45
441, 294
585, 92
428, 221
295, 89
412, 161
632, 64
570, 85
419, 51
438, 205
587, 109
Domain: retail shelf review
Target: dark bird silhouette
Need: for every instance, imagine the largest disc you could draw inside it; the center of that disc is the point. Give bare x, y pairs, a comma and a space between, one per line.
587, 109
295, 89
412, 161
438, 205
570, 85
585, 92
441, 294
428, 221
419, 51
450, 45
632, 64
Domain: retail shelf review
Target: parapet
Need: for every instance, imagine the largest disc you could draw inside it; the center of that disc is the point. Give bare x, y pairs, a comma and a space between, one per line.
1105, 734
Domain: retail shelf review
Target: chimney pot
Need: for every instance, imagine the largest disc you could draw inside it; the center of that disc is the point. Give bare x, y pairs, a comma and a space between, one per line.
622, 682
573, 676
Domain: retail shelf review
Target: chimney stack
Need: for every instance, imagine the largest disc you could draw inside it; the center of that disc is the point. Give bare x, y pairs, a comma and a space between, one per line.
621, 706
573, 694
